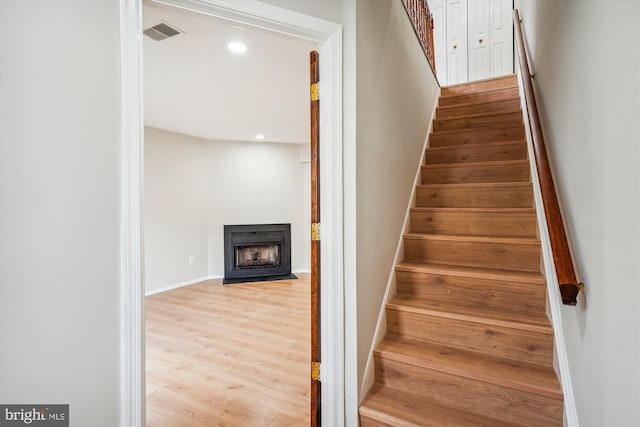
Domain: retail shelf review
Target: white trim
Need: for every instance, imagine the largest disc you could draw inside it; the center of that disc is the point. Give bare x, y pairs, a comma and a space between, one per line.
272, 18
132, 392
261, 15
332, 331
199, 280
381, 326
349, 179
202, 279
180, 285
553, 290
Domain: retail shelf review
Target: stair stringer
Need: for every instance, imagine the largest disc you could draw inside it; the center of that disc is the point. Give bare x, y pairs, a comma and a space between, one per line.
381, 325
560, 359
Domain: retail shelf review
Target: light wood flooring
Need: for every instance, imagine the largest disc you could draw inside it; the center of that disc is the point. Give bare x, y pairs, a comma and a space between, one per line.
235, 355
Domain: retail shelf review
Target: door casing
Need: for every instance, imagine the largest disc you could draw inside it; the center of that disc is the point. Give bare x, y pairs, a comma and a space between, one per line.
255, 13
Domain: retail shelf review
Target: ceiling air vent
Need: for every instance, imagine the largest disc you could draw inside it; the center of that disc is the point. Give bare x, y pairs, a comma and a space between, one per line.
161, 31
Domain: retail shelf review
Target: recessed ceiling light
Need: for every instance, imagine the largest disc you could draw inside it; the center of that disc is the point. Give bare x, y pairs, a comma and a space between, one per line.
259, 136
237, 47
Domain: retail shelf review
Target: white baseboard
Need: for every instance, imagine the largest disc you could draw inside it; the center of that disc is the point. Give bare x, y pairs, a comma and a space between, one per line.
180, 285
381, 326
202, 279
561, 358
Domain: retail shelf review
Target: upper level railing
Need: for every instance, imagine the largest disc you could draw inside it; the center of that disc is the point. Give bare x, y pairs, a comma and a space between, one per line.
569, 285
422, 21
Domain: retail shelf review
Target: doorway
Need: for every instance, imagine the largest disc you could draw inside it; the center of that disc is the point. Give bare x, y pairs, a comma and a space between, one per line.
263, 16
225, 107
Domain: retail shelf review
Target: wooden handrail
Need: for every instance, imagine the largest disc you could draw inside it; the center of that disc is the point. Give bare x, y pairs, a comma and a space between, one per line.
422, 22
569, 285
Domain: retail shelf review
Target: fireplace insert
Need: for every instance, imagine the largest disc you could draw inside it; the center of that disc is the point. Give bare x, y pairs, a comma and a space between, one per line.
257, 252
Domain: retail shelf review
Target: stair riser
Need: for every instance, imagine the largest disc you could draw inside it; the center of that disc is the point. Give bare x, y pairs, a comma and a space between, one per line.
481, 86
520, 196
491, 293
488, 153
491, 107
510, 224
479, 397
524, 345
477, 136
480, 98
504, 119
463, 174
509, 256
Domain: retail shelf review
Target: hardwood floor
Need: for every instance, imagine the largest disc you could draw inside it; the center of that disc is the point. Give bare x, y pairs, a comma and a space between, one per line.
235, 355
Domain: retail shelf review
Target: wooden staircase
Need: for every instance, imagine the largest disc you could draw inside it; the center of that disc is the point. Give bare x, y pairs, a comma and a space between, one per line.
468, 341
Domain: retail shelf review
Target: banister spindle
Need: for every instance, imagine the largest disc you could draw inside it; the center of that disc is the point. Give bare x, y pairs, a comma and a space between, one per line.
422, 22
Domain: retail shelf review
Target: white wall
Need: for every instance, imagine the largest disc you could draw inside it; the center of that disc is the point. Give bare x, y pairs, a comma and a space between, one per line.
330, 10
395, 98
176, 217
257, 183
587, 62
59, 206
194, 187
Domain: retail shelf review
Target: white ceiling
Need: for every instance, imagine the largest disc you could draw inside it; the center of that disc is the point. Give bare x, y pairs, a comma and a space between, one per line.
194, 85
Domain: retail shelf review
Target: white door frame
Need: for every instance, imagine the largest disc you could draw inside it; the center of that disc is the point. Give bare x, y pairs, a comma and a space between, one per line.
255, 13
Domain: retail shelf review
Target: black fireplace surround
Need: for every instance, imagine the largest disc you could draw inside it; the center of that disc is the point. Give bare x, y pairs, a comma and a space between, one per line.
257, 252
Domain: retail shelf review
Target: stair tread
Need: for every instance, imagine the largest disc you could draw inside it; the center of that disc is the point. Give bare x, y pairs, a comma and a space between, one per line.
512, 373
488, 79
475, 130
529, 321
478, 98
485, 114
471, 104
405, 409
480, 114
473, 146
475, 272
475, 164
477, 184
473, 210
461, 111
509, 81
467, 238
453, 95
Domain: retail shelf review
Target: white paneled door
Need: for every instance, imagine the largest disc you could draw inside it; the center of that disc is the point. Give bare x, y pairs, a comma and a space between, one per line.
479, 43
473, 39
501, 37
456, 13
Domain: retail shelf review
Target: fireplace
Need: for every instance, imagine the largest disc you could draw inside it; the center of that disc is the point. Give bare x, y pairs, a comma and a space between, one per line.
257, 252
